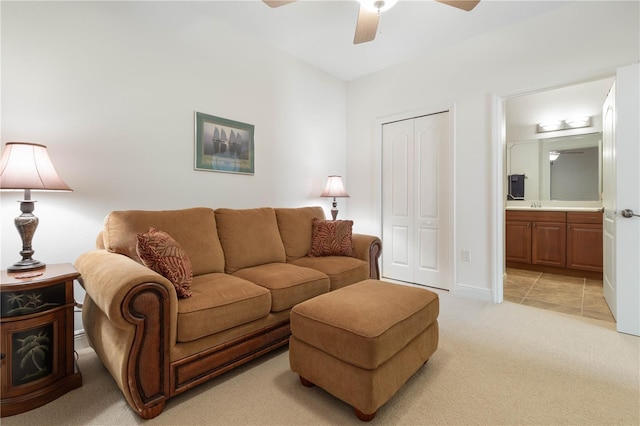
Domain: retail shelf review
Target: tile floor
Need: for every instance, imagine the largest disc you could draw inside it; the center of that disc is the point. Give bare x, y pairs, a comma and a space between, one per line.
570, 295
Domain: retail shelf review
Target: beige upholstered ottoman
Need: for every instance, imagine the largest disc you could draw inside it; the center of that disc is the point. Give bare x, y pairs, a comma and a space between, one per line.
361, 343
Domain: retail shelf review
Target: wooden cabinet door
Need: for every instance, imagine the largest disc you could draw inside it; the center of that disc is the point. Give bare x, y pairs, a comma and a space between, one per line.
518, 241
549, 243
584, 247
32, 353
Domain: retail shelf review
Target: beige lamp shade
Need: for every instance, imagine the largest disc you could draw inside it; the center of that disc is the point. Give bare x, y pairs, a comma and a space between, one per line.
334, 188
26, 165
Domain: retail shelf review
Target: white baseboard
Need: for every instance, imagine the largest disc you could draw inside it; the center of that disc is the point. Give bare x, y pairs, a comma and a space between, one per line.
464, 290
80, 340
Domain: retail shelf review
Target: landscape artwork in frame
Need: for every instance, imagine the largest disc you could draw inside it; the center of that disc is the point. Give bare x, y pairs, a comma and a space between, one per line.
223, 145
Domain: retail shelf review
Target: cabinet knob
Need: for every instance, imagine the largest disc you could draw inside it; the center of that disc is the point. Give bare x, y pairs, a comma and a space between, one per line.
2, 356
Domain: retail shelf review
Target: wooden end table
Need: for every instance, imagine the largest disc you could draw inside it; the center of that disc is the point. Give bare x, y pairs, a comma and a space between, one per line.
37, 363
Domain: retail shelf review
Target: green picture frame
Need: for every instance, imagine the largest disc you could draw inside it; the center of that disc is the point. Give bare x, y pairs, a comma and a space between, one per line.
223, 145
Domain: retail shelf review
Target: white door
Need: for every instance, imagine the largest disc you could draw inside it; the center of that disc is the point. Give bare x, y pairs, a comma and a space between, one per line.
621, 189
415, 198
609, 200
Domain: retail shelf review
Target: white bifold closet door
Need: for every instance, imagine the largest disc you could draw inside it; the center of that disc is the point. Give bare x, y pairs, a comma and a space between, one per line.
416, 221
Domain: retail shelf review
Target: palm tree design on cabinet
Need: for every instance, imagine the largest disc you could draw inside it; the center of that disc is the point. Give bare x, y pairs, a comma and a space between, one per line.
36, 349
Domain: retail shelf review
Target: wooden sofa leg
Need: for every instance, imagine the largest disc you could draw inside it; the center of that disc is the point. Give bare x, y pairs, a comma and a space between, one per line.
306, 382
151, 412
365, 417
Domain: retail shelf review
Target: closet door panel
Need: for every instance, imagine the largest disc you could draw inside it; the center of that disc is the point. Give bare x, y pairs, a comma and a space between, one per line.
428, 249
397, 191
432, 191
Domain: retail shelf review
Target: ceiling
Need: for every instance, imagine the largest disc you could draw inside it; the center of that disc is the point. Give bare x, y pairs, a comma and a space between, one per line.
321, 32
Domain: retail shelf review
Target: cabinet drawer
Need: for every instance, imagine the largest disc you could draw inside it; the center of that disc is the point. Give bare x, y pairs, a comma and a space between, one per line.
584, 217
535, 216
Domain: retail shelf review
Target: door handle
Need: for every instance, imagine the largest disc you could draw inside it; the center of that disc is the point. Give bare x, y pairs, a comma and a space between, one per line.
628, 213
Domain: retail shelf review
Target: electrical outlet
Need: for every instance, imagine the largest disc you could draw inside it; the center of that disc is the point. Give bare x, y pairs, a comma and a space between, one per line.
466, 256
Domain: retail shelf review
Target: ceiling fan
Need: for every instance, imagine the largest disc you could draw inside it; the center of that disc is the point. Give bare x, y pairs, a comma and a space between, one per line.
369, 15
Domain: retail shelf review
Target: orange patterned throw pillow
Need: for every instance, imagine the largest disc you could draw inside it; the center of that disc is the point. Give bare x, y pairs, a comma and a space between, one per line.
161, 253
332, 238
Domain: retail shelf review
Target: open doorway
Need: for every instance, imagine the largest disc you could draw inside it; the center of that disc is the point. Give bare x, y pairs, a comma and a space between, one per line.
555, 276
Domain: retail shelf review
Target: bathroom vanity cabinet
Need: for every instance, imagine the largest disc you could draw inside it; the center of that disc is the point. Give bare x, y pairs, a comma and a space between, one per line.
560, 242
536, 237
584, 241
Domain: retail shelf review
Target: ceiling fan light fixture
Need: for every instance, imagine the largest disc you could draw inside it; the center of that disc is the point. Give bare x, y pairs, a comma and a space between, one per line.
378, 5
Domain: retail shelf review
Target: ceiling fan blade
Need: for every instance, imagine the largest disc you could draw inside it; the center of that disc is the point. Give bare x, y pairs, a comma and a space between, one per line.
461, 4
277, 3
367, 26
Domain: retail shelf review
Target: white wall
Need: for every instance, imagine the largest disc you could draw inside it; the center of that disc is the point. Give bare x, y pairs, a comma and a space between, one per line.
111, 89
577, 42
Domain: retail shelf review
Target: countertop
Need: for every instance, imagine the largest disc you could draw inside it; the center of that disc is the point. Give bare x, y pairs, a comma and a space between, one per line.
555, 209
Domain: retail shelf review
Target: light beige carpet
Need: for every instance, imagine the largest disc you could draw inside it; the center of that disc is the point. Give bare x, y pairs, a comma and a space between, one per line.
496, 365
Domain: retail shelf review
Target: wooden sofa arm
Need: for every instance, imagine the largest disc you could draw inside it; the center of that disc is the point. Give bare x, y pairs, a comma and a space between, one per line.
369, 249
143, 305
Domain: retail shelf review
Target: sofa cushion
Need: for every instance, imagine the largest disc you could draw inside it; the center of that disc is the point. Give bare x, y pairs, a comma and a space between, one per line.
342, 270
220, 302
249, 237
289, 284
296, 228
163, 254
332, 238
194, 229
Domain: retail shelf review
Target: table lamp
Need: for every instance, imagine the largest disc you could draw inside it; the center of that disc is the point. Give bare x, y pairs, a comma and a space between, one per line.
27, 166
334, 189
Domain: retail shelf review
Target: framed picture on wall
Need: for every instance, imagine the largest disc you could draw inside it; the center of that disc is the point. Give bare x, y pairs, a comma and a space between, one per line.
223, 145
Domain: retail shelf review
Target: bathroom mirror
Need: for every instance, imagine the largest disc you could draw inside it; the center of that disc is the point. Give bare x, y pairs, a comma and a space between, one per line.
567, 168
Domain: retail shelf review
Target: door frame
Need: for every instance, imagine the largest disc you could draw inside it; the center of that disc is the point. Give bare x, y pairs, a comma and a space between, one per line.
498, 140
377, 148
498, 170
499, 173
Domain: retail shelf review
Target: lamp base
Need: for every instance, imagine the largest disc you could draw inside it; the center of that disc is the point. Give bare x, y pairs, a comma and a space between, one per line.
26, 265
26, 225
334, 213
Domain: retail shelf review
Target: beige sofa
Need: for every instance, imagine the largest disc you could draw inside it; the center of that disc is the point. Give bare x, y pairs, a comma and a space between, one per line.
250, 267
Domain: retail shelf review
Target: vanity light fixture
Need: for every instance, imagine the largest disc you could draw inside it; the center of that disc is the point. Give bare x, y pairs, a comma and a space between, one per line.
578, 122
568, 124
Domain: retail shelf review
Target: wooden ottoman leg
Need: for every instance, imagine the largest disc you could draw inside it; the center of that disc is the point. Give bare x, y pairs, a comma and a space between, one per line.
365, 417
306, 382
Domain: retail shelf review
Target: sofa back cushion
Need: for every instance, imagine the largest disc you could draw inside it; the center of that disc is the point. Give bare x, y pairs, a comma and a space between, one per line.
296, 229
249, 238
194, 229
